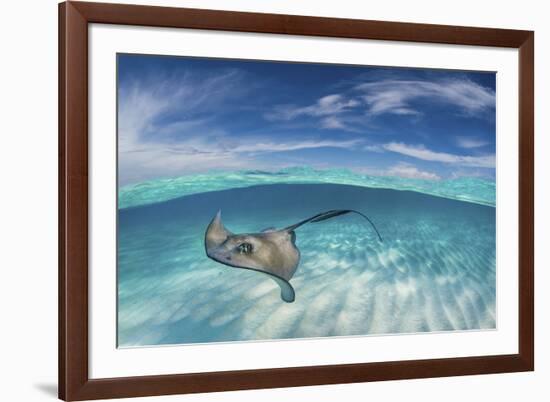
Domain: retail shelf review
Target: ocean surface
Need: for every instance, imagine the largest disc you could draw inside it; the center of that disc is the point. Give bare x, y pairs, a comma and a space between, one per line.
472, 189
434, 271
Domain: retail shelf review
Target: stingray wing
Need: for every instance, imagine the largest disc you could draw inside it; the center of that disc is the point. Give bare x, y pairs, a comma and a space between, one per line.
215, 239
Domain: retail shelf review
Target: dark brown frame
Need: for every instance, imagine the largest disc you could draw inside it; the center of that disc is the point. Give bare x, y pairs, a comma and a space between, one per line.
74, 383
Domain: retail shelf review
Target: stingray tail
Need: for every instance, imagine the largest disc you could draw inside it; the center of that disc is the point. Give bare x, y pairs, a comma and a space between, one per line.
331, 214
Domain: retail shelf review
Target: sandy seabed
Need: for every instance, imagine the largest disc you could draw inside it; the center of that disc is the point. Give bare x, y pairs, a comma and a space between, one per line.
434, 271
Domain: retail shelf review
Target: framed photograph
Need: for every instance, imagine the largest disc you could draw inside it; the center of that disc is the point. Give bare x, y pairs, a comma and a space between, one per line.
257, 200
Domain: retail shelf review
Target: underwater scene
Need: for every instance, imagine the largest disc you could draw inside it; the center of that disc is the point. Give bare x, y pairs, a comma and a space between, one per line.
270, 200
434, 270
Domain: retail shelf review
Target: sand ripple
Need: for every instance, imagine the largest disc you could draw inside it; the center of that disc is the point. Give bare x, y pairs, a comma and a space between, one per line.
435, 270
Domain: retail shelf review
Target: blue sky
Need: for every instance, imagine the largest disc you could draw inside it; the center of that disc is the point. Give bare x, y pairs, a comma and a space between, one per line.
180, 116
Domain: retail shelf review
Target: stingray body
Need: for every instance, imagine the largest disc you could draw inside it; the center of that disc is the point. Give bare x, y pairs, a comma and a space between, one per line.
272, 252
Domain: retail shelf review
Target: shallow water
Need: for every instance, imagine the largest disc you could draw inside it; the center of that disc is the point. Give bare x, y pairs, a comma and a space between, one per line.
472, 189
434, 271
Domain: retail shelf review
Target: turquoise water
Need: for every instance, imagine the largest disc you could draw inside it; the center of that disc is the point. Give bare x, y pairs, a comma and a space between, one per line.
434, 271
470, 189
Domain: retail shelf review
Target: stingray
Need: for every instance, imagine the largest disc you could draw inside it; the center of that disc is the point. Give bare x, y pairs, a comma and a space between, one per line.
271, 251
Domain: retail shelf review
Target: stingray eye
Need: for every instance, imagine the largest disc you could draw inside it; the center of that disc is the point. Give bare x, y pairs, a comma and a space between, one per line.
244, 248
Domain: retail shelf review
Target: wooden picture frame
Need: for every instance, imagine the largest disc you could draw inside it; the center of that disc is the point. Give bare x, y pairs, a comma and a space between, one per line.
74, 381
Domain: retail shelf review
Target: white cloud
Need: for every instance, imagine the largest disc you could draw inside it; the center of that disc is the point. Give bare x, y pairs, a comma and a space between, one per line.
152, 145
148, 149
332, 122
327, 107
411, 172
197, 155
187, 95
331, 104
374, 148
258, 145
470, 142
396, 96
421, 152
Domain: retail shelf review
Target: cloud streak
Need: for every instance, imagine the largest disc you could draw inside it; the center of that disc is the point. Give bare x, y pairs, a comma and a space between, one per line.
213, 153
421, 152
260, 145
398, 96
329, 109
151, 147
189, 97
470, 142
207, 116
